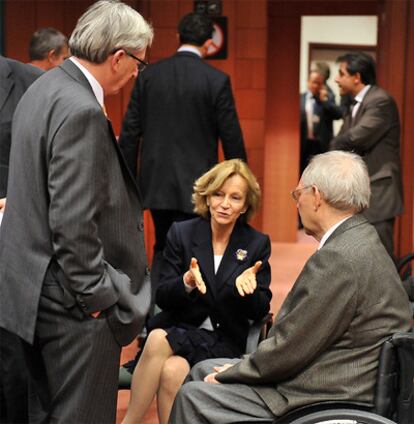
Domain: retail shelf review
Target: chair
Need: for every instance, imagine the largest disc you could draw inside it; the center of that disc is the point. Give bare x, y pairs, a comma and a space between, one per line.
257, 332
394, 393
404, 267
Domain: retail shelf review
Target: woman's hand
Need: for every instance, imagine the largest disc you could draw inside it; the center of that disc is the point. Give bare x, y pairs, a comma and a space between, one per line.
193, 277
246, 282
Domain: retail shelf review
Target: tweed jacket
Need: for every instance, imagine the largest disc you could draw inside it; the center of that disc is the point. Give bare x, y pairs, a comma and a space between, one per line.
325, 341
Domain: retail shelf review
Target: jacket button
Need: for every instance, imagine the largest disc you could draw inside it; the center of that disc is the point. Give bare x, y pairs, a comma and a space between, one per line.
147, 271
141, 226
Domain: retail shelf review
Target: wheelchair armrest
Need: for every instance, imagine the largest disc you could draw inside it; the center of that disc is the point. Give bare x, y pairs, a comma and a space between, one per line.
258, 332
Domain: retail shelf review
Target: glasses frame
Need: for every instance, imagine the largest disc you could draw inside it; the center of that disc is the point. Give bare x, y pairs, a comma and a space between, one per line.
296, 193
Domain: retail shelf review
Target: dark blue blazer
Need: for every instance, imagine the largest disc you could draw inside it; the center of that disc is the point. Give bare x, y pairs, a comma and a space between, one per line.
229, 312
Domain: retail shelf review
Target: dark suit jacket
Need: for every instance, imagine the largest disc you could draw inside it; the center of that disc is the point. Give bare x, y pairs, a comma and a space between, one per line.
229, 312
323, 130
180, 106
375, 135
72, 199
15, 78
326, 338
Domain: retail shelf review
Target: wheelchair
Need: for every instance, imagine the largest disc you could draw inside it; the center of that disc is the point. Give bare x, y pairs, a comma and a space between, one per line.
394, 393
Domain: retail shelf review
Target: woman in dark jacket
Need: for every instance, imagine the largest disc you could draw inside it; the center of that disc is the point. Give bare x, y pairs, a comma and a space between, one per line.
215, 278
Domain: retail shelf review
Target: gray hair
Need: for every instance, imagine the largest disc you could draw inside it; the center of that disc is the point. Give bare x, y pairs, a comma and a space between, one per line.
44, 40
342, 178
108, 26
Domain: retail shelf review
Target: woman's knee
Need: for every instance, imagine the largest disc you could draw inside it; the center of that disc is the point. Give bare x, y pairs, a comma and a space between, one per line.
156, 342
173, 373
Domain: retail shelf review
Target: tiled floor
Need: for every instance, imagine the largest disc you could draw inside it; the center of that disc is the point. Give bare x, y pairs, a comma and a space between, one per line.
287, 261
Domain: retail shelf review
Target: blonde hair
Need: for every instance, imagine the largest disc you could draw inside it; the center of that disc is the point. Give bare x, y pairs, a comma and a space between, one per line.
213, 180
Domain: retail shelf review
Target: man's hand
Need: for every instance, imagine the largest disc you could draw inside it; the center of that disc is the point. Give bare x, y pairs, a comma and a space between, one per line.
2, 204
193, 277
246, 282
211, 378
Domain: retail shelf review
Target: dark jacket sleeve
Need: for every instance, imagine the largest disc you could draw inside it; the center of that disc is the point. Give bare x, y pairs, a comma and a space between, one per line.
171, 294
131, 131
228, 123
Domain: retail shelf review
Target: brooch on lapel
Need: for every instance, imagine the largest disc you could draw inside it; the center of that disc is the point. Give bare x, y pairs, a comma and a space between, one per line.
241, 255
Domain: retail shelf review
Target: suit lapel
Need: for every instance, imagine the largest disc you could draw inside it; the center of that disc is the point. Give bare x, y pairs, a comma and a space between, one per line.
230, 263
6, 82
73, 71
203, 252
361, 108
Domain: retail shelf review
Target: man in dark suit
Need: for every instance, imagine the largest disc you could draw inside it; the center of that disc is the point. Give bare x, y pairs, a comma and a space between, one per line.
179, 108
317, 113
73, 269
15, 79
372, 129
325, 341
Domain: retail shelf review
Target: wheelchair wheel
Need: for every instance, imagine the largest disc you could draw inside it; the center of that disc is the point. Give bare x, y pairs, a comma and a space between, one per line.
342, 416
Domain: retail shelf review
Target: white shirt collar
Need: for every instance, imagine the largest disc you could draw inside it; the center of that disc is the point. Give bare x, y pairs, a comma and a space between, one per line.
330, 231
191, 49
96, 87
360, 96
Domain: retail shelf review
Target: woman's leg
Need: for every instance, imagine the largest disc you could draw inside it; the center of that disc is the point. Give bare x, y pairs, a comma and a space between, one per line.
173, 375
146, 377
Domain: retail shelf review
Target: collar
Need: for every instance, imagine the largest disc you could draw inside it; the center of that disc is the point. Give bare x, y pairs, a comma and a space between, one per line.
189, 48
330, 231
96, 87
360, 96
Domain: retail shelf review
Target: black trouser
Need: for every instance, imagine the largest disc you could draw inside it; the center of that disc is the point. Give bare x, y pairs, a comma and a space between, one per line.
13, 379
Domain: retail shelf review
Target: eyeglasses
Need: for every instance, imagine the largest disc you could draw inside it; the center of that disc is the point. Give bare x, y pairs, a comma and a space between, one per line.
141, 65
296, 193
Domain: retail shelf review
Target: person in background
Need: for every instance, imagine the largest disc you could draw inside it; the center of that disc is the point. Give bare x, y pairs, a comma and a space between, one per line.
317, 113
325, 342
48, 48
371, 128
179, 108
16, 77
74, 277
215, 278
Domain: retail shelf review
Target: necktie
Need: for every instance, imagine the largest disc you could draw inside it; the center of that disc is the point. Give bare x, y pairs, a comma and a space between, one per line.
354, 108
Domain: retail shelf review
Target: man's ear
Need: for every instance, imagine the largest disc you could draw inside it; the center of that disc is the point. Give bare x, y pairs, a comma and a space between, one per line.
116, 57
208, 43
317, 197
51, 54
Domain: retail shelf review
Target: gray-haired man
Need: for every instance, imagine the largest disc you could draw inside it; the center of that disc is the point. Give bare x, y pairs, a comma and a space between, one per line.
73, 265
325, 342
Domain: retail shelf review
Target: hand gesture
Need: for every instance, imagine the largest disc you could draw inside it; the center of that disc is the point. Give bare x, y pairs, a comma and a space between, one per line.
246, 282
193, 277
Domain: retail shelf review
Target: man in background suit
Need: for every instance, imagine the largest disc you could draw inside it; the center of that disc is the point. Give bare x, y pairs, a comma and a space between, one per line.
74, 281
15, 79
372, 129
325, 341
179, 107
48, 48
317, 113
